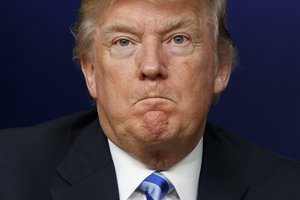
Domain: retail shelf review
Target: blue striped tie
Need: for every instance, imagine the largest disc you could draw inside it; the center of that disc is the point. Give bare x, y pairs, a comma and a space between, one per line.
156, 186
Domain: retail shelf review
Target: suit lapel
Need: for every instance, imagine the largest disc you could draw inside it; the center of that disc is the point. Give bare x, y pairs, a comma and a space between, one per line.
219, 178
88, 168
89, 172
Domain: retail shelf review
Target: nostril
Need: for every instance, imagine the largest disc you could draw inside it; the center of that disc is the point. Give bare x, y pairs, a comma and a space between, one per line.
153, 72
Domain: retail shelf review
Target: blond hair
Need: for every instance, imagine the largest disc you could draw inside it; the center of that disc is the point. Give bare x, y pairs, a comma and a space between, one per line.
90, 12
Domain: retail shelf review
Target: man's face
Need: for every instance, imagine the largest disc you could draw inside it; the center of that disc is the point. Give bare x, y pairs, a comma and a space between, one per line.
154, 74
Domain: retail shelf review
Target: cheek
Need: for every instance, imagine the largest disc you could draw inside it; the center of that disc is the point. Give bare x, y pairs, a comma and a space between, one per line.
194, 80
193, 72
113, 80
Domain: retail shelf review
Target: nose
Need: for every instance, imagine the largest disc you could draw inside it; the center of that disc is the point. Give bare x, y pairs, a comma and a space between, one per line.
152, 62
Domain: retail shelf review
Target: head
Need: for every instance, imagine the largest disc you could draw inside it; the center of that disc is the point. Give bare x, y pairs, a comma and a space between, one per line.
154, 68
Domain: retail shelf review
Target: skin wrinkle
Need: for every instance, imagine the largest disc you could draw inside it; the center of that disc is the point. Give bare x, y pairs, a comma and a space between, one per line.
136, 34
91, 11
156, 122
158, 118
120, 27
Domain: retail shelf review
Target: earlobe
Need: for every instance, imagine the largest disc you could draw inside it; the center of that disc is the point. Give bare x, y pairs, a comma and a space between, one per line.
222, 78
88, 71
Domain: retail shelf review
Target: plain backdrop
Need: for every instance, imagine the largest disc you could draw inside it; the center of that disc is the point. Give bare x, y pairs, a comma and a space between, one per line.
39, 81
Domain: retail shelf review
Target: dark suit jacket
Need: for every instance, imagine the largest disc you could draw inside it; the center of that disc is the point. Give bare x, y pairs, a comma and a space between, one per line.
69, 159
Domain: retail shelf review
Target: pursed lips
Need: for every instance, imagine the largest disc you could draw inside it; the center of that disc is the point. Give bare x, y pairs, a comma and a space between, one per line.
154, 99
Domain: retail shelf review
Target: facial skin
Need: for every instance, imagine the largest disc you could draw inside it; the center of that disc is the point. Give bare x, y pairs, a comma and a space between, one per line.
153, 76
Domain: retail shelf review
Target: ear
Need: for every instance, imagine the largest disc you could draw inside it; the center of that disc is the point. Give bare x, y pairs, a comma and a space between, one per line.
223, 73
89, 73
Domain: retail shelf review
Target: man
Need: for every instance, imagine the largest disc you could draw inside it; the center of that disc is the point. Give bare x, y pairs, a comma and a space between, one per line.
153, 68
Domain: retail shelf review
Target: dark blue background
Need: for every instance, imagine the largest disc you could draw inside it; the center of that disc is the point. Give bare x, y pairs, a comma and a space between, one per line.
39, 81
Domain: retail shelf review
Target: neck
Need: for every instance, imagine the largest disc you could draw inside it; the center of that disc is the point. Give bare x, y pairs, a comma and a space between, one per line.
162, 157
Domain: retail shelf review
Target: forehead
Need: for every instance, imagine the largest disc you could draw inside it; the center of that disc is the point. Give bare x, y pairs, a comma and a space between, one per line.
152, 11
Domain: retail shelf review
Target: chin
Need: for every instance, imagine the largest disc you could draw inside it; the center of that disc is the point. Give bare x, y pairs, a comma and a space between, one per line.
155, 137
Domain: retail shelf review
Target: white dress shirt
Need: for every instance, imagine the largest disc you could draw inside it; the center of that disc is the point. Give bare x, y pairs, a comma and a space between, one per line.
131, 172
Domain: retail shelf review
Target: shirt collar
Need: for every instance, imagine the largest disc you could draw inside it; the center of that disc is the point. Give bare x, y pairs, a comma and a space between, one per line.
184, 175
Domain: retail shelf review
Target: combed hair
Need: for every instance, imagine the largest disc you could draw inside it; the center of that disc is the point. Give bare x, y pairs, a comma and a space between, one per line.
90, 12
226, 52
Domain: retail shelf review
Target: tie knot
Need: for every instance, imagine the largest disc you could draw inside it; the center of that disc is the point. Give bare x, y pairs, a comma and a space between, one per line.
156, 186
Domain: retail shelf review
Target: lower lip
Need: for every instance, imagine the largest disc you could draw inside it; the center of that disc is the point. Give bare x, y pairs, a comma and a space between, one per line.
155, 104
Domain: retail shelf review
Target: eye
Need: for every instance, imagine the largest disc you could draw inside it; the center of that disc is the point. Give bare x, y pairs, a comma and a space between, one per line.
122, 47
179, 44
123, 42
179, 39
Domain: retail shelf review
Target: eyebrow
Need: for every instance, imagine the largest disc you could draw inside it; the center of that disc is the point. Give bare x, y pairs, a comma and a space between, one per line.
178, 24
174, 24
120, 27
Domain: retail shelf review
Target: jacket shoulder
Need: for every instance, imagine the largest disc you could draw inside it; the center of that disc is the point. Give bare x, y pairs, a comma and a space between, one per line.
48, 138
30, 155
55, 134
269, 175
62, 124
